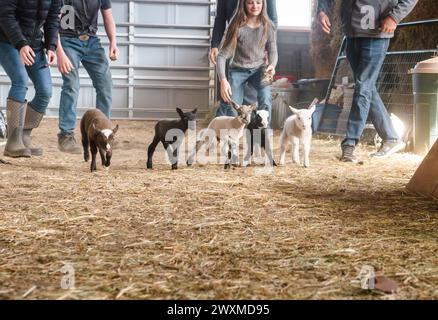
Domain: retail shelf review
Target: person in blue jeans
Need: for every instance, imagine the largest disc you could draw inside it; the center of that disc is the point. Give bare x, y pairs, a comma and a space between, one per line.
225, 10
78, 45
249, 35
23, 55
368, 25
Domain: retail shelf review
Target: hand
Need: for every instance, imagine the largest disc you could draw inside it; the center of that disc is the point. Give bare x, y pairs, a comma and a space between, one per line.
226, 91
27, 56
213, 55
388, 25
113, 52
51, 58
271, 69
324, 22
64, 64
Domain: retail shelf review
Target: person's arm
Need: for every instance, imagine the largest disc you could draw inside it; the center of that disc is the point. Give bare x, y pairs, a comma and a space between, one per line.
51, 25
272, 11
220, 23
9, 24
271, 48
322, 10
397, 14
223, 56
51, 30
64, 64
324, 6
110, 29
402, 9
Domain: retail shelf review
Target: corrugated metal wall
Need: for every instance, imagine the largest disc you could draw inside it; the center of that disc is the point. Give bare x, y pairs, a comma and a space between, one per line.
163, 61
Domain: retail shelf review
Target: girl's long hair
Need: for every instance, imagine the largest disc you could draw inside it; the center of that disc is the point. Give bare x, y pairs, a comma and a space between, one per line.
240, 19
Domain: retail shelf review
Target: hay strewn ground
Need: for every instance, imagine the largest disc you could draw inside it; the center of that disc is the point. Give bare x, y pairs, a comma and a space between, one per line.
205, 233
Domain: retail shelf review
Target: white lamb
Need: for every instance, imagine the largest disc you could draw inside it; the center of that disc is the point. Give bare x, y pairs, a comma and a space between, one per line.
228, 131
298, 130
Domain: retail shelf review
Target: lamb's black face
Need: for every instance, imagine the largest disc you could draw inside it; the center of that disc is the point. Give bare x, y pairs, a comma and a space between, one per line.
188, 117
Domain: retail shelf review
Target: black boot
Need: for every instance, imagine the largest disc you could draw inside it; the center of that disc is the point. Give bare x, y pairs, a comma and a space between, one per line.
15, 114
32, 121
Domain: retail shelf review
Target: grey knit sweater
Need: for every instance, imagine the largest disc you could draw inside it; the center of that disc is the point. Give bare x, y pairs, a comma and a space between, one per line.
248, 53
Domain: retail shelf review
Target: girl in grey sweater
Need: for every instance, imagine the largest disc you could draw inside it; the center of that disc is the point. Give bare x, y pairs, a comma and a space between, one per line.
249, 35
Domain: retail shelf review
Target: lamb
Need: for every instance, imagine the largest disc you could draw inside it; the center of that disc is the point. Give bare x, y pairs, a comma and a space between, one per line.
228, 130
259, 122
298, 129
165, 127
97, 135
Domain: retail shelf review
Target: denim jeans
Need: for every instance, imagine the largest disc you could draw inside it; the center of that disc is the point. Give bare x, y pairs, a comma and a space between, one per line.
238, 79
92, 56
19, 74
366, 57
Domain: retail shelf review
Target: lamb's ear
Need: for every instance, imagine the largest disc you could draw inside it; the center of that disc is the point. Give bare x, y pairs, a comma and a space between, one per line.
254, 107
195, 110
116, 129
294, 111
94, 127
180, 112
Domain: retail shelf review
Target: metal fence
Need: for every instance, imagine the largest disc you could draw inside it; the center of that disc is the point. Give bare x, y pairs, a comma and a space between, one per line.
394, 85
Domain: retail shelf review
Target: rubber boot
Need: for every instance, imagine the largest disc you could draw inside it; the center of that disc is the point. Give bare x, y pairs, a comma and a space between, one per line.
32, 121
15, 114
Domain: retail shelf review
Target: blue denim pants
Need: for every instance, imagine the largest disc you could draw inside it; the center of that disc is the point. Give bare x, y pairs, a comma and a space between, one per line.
39, 74
238, 79
92, 56
366, 57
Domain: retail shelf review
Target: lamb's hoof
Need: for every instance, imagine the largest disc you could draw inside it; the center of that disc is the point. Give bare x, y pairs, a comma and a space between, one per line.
227, 166
274, 163
189, 165
174, 167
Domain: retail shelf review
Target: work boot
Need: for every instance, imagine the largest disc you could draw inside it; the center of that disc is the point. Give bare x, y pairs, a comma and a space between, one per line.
15, 114
32, 121
67, 143
348, 154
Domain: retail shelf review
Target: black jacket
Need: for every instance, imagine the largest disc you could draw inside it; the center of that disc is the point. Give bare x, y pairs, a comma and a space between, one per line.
22, 21
224, 12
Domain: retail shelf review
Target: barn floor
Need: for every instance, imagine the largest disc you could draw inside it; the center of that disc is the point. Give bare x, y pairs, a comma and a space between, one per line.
202, 233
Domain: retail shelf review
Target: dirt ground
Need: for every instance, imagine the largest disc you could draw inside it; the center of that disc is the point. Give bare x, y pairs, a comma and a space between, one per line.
203, 233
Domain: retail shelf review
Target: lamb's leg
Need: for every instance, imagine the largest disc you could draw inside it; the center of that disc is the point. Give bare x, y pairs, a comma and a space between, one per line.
266, 145
227, 152
176, 147
85, 146
85, 143
296, 150
283, 147
151, 150
102, 156
249, 151
169, 151
195, 150
93, 148
306, 146
234, 158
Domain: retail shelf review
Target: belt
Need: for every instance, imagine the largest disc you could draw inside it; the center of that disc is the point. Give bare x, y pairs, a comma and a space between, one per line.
84, 37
